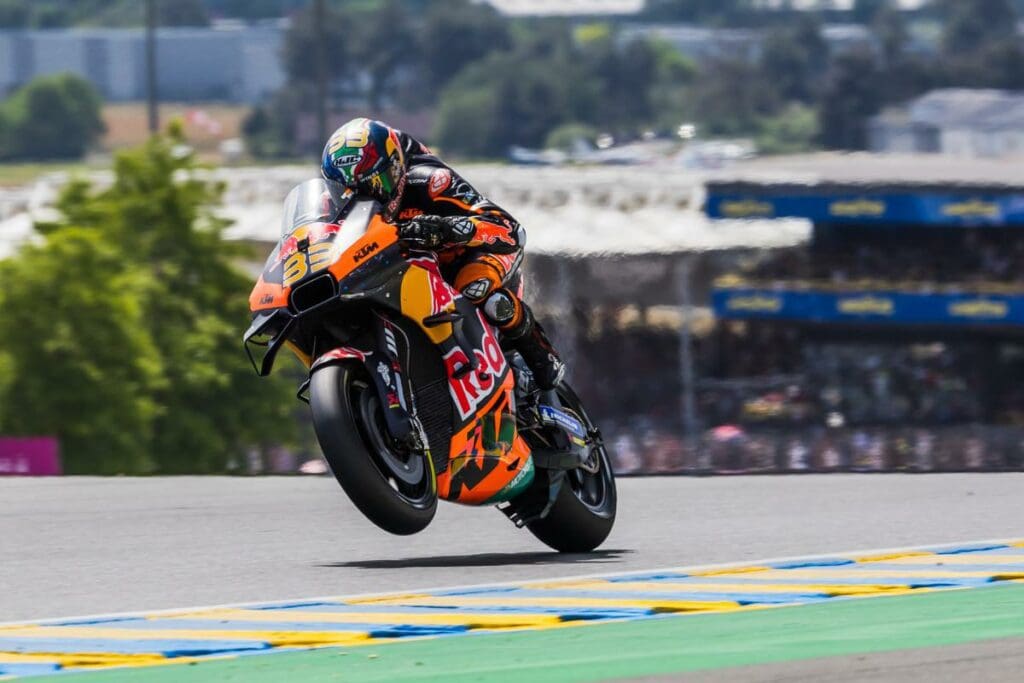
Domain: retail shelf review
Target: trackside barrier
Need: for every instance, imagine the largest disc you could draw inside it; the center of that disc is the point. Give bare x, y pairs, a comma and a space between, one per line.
969, 448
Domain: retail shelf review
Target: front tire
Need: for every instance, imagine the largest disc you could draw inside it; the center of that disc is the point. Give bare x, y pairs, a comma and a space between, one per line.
393, 487
584, 512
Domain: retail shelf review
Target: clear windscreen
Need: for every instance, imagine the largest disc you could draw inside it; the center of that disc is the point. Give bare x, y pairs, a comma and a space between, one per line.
314, 201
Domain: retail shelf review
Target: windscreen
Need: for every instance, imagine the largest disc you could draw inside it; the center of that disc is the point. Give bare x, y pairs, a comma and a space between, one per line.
314, 201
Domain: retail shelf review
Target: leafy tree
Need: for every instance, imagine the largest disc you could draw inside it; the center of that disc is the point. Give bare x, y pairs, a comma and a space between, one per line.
53, 117
852, 95
568, 135
791, 131
969, 26
383, 40
456, 33
624, 77
794, 58
182, 306
866, 11
76, 358
14, 14
302, 45
731, 96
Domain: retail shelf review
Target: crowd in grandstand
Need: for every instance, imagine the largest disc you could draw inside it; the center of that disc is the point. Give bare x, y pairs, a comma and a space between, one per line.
932, 256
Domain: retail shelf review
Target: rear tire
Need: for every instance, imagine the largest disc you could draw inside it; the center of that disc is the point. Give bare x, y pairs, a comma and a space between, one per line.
584, 512
394, 489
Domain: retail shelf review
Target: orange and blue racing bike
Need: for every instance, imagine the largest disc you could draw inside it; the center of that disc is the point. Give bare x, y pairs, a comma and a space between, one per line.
413, 395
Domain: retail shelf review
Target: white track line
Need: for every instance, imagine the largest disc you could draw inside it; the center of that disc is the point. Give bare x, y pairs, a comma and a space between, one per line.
504, 584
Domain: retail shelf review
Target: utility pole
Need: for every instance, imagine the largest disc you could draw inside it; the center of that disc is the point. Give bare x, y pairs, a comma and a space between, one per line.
319, 19
151, 92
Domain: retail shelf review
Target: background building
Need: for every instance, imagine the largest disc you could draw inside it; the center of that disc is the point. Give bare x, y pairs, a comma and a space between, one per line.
957, 121
231, 63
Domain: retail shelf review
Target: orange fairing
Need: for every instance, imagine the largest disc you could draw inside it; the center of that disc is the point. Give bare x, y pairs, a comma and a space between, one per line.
266, 295
488, 456
379, 236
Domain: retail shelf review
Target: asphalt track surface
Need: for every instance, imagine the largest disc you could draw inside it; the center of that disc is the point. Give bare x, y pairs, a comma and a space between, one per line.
80, 546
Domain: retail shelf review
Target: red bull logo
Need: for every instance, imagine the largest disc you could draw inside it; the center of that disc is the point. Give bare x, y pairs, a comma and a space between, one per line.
492, 233
441, 293
470, 391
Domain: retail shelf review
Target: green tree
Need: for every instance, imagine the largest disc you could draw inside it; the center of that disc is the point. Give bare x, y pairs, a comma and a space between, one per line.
53, 117
159, 209
76, 358
853, 93
456, 33
866, 11
731, 96
384, 39
969, 26
14, 14
185, 304
792, 131
794, 59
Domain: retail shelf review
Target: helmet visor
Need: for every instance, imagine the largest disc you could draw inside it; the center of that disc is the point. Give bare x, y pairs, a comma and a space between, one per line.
384, 184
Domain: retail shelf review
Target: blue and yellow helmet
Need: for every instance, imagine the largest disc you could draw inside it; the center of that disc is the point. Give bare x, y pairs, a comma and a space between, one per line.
366, 156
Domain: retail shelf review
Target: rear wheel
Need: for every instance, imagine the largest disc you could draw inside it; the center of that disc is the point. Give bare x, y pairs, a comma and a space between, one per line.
393, 486
584, 512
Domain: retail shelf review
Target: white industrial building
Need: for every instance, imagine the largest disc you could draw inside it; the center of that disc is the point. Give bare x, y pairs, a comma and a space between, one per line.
233, 63
955, 121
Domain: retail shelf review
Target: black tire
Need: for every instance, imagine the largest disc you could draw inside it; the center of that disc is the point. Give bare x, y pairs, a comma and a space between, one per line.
584, 512
394, 490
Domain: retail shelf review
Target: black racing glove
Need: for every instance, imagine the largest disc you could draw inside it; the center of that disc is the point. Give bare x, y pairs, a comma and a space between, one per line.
432, 232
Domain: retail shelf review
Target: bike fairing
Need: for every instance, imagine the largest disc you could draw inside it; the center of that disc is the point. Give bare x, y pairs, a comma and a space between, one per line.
476, 454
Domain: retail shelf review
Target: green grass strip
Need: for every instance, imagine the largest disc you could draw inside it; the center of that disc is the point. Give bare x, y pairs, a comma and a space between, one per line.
653, 646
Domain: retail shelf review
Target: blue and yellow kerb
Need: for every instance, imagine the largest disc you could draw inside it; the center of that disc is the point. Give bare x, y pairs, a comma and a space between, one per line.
141, 640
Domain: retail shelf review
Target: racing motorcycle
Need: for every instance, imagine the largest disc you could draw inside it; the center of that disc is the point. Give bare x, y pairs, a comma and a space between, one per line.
413, 396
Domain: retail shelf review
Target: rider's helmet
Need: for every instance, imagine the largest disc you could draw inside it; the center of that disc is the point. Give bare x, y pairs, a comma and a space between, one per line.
366, 156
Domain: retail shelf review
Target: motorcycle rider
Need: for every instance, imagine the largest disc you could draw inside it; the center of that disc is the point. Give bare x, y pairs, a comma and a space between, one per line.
480, 246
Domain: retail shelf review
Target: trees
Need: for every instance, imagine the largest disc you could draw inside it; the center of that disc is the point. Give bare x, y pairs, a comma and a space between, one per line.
126, 323
852, 94
456, 33
794, 58
76, 359
53, 117
969, 26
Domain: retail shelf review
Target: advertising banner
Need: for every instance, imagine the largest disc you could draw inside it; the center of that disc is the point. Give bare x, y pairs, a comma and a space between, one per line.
742, 302
29, 457
915, 208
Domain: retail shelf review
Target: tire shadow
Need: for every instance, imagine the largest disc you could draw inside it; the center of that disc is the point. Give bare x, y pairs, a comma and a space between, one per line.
487, 560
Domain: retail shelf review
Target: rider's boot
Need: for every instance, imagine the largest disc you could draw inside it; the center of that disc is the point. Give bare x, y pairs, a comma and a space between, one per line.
521, 330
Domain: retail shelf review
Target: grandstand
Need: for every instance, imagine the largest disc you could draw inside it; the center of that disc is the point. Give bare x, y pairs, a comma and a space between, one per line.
896, 331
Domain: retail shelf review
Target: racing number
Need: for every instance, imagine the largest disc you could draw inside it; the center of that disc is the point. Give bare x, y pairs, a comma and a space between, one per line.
302, 263
356, 138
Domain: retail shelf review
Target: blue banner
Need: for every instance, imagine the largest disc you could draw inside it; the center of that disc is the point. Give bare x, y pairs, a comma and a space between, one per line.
906, 207
877, 307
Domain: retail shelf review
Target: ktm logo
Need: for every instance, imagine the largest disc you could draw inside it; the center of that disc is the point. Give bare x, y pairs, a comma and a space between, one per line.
365, 251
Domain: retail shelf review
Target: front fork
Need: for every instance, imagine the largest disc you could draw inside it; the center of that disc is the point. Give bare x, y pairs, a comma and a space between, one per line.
385, 370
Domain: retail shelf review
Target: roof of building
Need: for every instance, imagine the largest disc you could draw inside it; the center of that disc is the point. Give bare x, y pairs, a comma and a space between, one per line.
960, 108
571, 211
565, 7
863, 169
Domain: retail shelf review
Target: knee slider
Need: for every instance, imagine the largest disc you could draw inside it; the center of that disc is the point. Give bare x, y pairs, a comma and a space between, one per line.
500, 308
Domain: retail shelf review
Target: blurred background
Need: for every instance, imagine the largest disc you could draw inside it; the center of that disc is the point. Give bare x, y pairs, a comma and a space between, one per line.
769, 236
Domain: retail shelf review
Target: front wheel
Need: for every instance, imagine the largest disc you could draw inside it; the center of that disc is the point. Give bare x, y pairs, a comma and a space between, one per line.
584, 512
393, 486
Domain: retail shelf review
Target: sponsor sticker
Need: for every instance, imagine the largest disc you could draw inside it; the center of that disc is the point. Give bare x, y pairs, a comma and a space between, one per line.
439, 182
567, 421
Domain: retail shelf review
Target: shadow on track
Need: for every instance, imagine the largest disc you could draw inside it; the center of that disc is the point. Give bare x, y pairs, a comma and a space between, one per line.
486, 560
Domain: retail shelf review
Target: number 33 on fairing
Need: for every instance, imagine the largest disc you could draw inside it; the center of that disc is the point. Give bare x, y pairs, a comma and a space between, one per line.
301, 263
